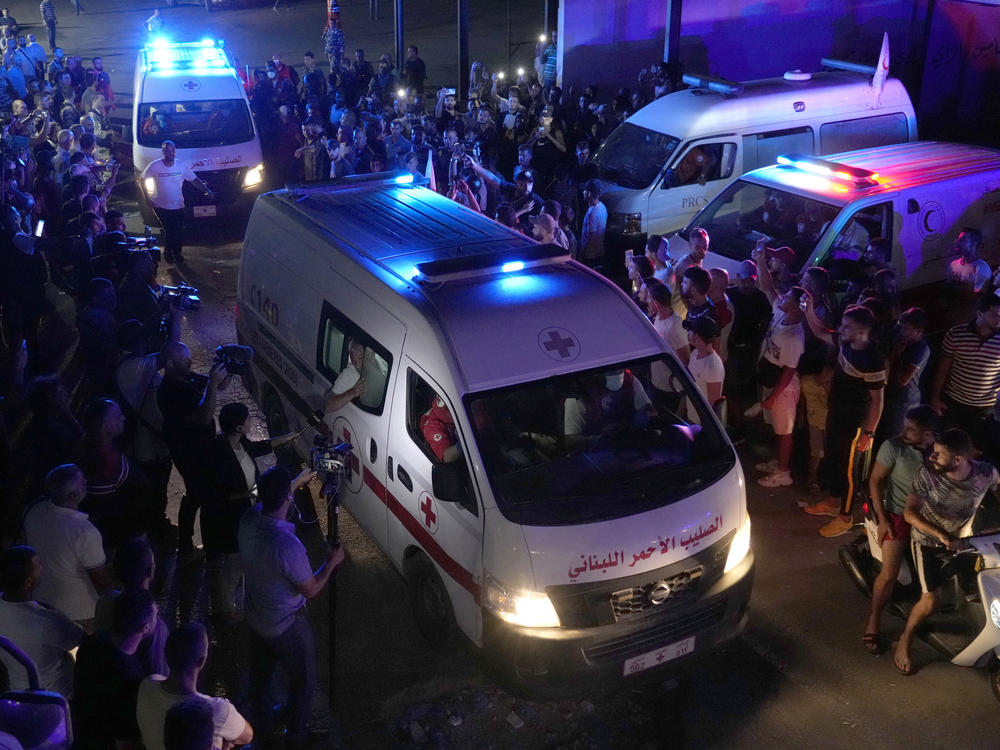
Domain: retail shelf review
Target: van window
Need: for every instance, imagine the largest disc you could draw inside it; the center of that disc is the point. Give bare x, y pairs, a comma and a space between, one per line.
596, 445
745, 212
632, 156
868, 132
336, 334
704, 162
763, 149
431, 425
865, 224
195, 124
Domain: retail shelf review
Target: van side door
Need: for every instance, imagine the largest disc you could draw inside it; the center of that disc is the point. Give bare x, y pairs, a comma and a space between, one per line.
701, 170
427, 442
364, 421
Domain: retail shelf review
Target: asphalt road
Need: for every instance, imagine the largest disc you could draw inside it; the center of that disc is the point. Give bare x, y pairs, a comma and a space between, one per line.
799, 677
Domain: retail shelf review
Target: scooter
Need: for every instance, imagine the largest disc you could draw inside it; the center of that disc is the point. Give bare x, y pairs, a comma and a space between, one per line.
966, 627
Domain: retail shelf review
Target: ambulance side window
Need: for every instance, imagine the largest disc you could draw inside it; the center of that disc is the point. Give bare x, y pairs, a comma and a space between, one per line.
867, 132
419, 397
336, 332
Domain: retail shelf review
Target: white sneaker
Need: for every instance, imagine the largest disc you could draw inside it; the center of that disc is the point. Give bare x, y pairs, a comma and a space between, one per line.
754, 411
768, 467
777, 479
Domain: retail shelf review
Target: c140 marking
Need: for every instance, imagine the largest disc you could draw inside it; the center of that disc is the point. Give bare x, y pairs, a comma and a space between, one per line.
263, 305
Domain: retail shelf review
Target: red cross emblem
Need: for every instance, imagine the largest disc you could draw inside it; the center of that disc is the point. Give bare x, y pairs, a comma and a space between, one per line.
428, 513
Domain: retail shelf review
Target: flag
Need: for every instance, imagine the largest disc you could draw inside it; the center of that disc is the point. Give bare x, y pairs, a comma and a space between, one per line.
881, 71
429, 172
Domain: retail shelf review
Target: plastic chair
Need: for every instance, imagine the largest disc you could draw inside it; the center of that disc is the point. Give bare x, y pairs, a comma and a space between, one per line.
37, 718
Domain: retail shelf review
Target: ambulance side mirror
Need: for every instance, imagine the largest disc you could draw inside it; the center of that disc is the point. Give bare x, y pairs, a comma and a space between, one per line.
670, 179
450, 483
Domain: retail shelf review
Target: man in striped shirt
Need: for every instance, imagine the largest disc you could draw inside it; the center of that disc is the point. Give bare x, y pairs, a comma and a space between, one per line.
967, 379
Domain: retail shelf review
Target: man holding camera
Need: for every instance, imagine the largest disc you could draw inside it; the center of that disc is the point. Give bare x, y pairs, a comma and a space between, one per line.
187, 402
167, 197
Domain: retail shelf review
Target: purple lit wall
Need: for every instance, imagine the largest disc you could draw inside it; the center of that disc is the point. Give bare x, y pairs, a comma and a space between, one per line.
947, 52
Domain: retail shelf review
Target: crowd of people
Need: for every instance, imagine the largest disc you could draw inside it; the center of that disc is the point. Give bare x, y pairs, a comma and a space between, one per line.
87, 520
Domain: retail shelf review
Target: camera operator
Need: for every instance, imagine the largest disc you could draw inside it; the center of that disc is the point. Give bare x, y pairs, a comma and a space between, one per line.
139, 298
187, 402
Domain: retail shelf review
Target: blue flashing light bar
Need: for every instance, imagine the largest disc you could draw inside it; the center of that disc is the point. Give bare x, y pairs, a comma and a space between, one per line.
163, 55
512, 266
404, 179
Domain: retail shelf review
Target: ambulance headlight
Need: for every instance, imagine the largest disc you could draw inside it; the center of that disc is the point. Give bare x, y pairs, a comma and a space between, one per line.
149, 184
739, 547
995, 612
528, 609
254, 176
626, 223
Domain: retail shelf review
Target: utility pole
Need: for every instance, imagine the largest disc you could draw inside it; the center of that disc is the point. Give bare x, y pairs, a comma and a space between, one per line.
461, 90
397, 17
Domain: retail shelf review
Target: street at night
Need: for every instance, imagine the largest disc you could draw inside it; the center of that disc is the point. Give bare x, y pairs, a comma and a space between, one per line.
799, 675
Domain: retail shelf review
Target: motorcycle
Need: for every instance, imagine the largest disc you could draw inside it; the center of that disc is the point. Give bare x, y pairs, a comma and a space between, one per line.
966, 626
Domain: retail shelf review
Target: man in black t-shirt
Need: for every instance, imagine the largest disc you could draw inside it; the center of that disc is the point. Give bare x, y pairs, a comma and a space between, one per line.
856, 399
187, 402
107, 676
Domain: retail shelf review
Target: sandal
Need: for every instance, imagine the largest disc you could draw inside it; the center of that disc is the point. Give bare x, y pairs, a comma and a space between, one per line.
872, 643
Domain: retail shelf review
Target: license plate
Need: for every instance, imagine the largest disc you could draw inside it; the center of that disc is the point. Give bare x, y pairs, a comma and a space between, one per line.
204, 210
660, 656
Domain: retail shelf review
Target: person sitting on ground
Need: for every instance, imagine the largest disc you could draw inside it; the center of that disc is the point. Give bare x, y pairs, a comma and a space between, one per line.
68, 545
940, 507
187, 652
46, 635
888, 486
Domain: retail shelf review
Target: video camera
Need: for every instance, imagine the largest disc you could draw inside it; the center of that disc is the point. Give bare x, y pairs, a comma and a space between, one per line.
329, 458
182, 297
235, 357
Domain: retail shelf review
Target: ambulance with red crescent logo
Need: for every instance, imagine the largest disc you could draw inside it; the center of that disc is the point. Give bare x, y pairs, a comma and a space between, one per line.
528, 452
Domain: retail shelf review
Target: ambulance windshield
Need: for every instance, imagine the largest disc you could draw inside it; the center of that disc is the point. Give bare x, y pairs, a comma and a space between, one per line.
195, 124
746, 212
633, 156
598, 444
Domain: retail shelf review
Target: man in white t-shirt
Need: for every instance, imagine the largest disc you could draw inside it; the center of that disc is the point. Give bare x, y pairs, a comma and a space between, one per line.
46, 635
167, 197
968, 270
705, 364
777, 372
187, 650
349, 384
69, 547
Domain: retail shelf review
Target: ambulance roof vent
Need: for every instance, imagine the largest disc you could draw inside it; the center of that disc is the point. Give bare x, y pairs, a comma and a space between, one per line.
488, 263
711, 83
798, 75
854, 176
833, 64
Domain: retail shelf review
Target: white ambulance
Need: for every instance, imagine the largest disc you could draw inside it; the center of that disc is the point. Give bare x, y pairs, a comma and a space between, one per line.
918, 196
189, 93
674, 155
519, 452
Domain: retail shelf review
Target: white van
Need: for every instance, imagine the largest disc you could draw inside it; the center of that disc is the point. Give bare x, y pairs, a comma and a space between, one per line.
580, 529
674, 155
189, 93
918, 196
